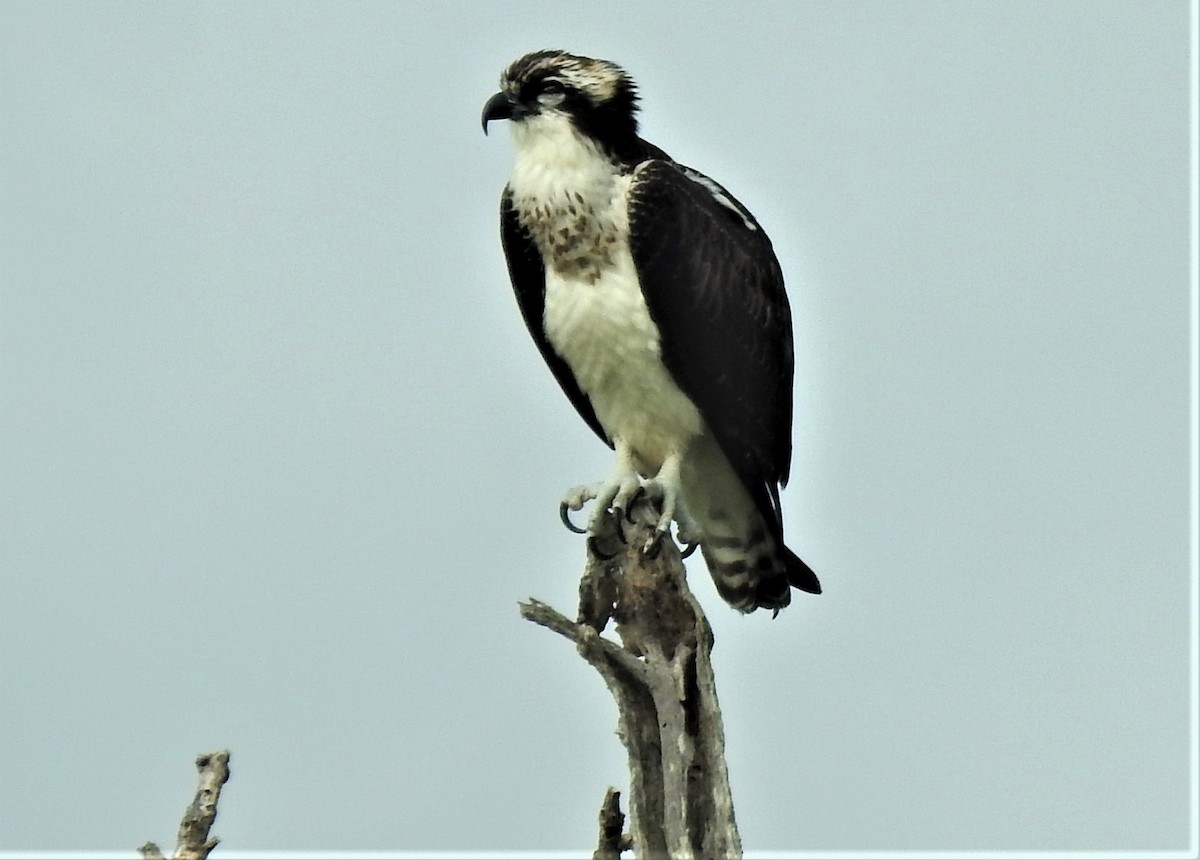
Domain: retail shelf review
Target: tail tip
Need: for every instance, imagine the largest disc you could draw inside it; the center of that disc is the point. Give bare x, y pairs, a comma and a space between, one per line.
799, 574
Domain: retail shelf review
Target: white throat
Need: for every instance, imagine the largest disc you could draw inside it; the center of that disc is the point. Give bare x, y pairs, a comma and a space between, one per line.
555, 163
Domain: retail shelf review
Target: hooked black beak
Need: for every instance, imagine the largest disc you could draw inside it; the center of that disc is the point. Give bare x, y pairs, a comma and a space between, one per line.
499, 106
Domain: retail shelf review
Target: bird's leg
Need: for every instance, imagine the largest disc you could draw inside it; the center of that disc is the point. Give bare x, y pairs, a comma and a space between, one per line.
665, 489
616, 492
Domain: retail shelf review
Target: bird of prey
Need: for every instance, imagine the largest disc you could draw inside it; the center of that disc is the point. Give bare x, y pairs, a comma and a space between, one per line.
656, 299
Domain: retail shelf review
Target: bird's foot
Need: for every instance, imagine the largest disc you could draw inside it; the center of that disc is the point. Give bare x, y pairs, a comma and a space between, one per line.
620, 494
665, 492
664, 497
615, 494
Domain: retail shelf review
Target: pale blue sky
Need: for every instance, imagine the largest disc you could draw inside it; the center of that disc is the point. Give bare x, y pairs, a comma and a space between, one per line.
277, 458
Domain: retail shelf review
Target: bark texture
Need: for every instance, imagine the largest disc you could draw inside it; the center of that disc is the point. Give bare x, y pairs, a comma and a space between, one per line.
661, 677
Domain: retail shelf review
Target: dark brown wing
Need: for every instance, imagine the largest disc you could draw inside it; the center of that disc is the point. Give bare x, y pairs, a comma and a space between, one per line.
715, 290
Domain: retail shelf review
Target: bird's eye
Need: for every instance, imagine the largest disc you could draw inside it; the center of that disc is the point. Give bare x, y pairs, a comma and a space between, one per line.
552, 93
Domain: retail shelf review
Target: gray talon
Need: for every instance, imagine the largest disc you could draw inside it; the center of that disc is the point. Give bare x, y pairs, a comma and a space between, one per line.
633, 500
689, 549
565, 514
619, 525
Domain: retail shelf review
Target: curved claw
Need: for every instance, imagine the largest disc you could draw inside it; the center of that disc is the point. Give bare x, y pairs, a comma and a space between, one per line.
564, 512
620, 528
593, 545
688, 549
633, 500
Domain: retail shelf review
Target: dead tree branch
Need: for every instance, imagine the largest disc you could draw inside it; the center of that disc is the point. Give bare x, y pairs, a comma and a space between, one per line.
661, 677
194, 842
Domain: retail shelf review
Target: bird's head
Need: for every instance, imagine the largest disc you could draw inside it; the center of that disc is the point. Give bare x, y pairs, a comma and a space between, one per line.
549, 91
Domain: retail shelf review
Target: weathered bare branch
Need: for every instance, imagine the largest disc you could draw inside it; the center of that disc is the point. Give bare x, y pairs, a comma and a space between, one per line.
661, 677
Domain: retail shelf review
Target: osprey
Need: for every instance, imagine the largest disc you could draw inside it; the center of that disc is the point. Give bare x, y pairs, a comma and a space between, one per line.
656, 299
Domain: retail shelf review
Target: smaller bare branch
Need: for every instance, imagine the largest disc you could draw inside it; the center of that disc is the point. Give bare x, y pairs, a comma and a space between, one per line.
604, 654
550, 618
194, 842
613, 839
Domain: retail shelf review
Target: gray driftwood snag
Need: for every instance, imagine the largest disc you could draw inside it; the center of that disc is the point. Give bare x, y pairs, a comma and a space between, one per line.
661, 677
194, 842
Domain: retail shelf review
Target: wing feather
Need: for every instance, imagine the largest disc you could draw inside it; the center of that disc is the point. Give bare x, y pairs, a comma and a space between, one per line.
715, 290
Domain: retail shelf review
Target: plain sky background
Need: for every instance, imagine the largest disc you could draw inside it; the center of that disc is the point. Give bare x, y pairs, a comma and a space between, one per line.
278, 459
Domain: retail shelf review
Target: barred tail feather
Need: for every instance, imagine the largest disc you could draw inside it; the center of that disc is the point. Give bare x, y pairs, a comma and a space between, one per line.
750, 566
757, 573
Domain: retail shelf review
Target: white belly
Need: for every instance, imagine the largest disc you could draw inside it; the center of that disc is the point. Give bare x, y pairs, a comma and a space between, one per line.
604, 332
